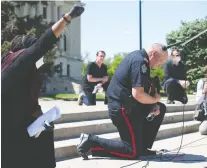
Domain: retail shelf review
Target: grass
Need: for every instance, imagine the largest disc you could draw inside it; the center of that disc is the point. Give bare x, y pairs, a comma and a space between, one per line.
71, 97
74, 97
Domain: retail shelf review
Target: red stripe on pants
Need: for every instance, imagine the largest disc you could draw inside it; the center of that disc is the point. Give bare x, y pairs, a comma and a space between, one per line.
132, 136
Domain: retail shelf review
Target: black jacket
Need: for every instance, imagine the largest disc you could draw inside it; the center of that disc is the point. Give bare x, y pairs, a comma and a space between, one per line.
18, 149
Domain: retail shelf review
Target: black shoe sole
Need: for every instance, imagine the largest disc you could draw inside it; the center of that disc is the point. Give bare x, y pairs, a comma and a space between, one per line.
81, 153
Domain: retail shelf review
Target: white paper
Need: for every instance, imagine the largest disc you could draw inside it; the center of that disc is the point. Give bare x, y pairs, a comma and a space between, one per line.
97, 89
39, 63
37, 134
37, 126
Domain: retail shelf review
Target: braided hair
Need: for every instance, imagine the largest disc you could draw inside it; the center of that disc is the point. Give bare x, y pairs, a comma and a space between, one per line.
17, 43
20, 42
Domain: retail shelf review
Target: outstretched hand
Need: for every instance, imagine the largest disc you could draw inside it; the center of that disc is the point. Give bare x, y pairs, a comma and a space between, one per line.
76, 11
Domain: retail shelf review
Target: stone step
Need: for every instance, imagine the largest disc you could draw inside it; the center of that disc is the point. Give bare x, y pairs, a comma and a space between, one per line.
67, 148
74, 129
84, 113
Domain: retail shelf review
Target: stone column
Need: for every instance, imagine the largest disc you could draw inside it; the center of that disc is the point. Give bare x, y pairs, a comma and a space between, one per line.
39, 9
24, 9
61, 46
49, 12
17, 11
76, 39
32, 11
60, 12
55, 13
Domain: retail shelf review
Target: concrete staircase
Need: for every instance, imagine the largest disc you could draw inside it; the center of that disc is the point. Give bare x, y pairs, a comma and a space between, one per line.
69, 127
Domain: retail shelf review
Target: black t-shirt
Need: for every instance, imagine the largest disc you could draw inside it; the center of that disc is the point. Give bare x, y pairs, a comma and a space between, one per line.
96, 72
132, 72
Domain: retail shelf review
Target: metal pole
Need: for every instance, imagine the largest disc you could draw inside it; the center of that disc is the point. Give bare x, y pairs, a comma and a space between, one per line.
140, 24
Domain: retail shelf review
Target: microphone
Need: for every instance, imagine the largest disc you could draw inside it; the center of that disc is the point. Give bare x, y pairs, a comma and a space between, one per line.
164, 48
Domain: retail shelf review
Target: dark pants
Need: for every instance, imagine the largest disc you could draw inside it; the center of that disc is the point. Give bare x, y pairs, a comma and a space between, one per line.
136, 133
174, 90
29, 152
90, 99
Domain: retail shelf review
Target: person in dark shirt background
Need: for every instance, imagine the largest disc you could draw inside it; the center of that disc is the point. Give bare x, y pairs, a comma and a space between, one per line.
129, 104
21, 83
174, 82
95, 78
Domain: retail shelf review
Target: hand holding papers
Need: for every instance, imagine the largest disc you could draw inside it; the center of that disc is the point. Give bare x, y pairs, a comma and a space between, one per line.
38, 125
98, 88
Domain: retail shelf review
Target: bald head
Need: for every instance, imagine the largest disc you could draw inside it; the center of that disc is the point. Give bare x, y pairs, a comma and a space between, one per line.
157, 56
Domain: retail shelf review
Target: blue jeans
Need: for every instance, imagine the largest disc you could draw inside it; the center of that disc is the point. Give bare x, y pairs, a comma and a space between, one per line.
89, 99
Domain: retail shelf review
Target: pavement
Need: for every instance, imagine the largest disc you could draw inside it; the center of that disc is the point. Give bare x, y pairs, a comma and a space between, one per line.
193, 154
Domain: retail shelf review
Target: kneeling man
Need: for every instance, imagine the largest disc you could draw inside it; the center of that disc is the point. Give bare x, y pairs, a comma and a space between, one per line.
129, 105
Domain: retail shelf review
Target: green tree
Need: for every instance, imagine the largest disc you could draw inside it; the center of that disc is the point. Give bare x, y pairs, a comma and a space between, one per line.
85, 61
158, 72
5, 47
13, 25
195, 52
107, 61
114, 63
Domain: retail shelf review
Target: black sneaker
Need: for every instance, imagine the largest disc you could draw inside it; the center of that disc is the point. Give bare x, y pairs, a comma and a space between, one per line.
184, 99
170, 102
148, 152
84, 146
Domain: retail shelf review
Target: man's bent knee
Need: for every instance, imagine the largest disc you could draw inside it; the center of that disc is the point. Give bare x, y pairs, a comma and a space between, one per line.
132, 152
171, 85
